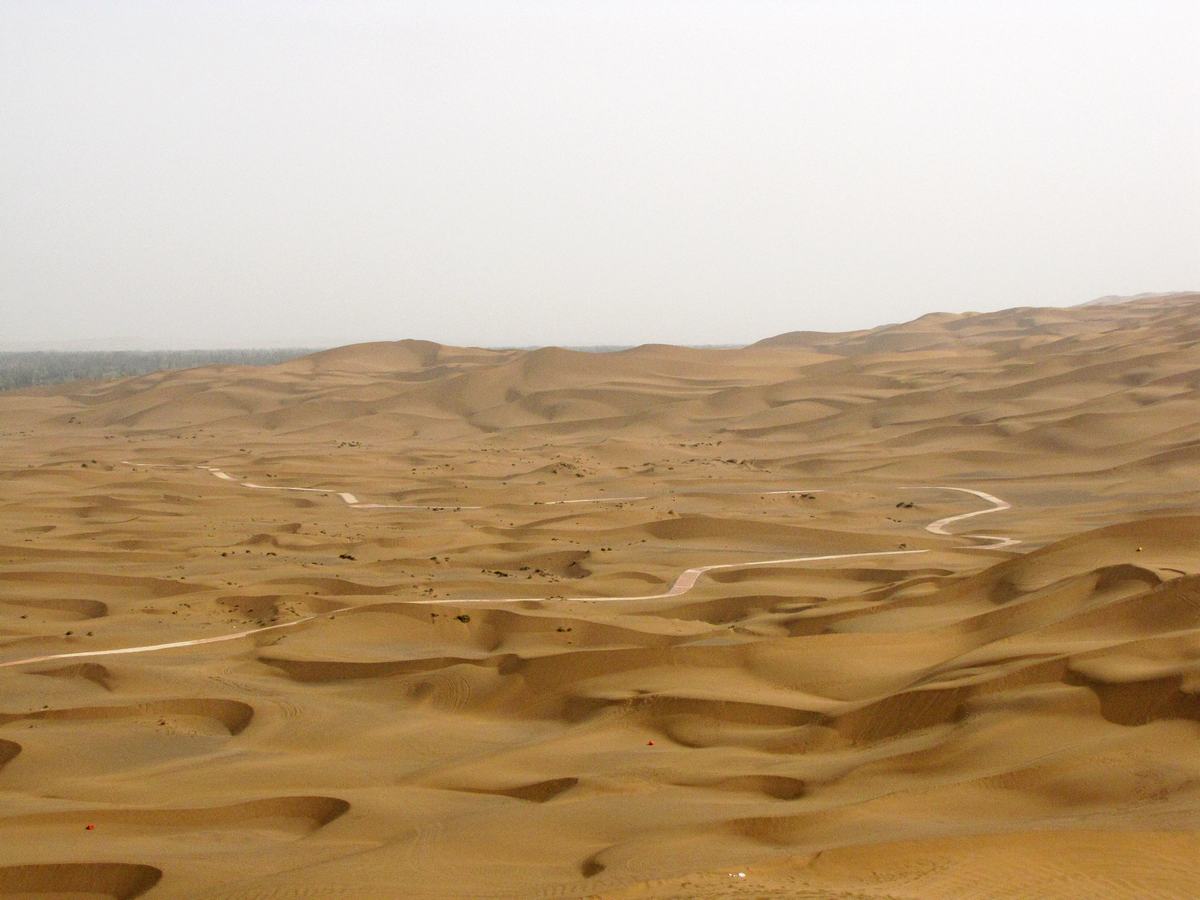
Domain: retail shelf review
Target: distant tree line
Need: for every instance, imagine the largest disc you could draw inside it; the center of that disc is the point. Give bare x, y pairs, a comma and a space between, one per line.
19, 369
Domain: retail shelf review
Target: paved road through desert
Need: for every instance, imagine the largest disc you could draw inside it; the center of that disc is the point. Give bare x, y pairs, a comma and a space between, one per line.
683, 583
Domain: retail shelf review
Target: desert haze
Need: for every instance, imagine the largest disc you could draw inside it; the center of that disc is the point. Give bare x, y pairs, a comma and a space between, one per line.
908, 612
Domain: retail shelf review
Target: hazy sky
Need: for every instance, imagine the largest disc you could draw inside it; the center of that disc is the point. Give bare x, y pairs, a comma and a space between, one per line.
498, 173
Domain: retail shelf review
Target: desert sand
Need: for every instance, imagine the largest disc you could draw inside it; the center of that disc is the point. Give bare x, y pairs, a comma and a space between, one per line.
902, 613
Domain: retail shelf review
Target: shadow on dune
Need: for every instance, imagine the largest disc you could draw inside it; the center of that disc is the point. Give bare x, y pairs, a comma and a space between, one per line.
120, 881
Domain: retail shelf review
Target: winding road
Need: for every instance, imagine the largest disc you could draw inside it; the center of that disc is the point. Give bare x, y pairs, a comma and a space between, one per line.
683, 583
998, 505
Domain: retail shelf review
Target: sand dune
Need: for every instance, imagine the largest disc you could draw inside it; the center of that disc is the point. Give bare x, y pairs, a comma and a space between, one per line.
117, 880
293, 814
8, 751
911, 611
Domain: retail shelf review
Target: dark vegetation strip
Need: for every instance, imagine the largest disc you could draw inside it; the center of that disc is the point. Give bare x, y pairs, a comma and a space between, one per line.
21, 369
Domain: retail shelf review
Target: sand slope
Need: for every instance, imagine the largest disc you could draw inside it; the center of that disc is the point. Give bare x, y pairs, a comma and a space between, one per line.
455, 704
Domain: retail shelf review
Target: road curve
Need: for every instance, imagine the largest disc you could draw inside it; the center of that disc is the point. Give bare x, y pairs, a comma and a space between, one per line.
683, 583
998, 505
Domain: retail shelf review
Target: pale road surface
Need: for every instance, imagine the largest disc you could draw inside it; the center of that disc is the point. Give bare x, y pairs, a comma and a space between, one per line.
998, 505
683, 583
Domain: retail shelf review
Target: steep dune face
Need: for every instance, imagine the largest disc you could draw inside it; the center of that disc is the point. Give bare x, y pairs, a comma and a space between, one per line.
117, 880
907, 612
